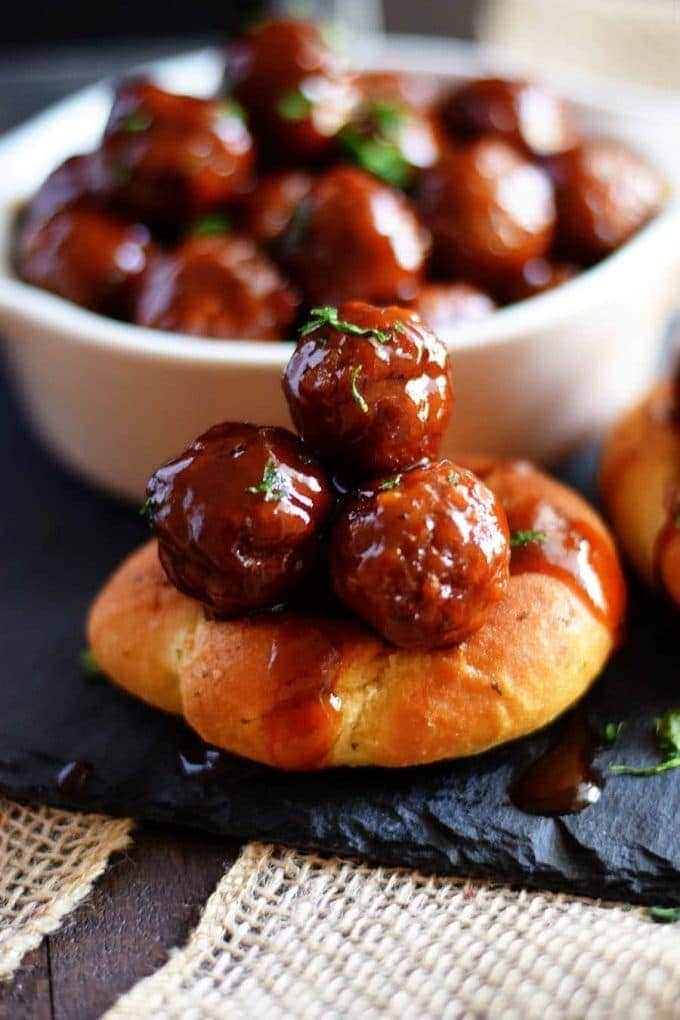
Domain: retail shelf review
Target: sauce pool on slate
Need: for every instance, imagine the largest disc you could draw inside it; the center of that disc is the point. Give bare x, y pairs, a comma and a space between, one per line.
562, 781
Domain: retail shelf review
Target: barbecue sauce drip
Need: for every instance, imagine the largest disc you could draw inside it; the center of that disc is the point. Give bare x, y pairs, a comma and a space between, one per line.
304, 666
575, 552
562, 780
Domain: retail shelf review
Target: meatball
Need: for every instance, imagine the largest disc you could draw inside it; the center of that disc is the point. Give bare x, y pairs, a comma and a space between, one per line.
239, 517
521, 112
76, 181
88, 257
416, 90
169, 158
538, 276
354, 238
422, 556
605, 192
267, 210
218, 286
369, 389
444, 305
489, 211
296, 95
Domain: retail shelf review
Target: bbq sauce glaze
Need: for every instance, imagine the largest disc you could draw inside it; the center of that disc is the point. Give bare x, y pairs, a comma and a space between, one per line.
562, 780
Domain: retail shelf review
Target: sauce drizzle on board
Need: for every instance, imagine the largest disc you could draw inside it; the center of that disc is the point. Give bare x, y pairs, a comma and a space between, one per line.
562, 780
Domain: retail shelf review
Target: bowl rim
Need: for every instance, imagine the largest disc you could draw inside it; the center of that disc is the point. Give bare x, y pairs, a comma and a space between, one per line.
637, 258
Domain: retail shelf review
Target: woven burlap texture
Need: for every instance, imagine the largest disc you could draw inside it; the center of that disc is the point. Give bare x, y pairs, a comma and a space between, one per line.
290, 935
48, 862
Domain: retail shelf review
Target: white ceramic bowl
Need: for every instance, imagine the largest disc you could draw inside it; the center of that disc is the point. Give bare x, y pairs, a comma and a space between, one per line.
113, 400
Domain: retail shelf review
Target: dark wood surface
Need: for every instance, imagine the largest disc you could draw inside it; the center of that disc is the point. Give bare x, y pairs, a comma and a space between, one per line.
146, 903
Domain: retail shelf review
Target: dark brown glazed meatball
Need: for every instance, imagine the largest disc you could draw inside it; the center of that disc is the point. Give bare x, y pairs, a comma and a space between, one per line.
391, 140
77, 181
489, 210
88, 257
296, 95
169, 158
605, 191
267, 210
520, 112
422, 556
355, 238
221, 286
537, 276
443, 305
239, 515
369, 389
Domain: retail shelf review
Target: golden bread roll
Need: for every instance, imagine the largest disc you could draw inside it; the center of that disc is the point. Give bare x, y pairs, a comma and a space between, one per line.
299, 691
640, 482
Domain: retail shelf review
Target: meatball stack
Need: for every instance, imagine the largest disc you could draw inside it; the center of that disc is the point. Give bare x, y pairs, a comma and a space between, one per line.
251, 518
307, 185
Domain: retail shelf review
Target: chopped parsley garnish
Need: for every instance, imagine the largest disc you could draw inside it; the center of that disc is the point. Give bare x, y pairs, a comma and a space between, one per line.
90, 670
146, 510
211, 224
389, 483
611, 733
274, 485
519, 539
230, 108
378, 156
388, 116
667, 740
454, 478
294, 105
135, 121
355, 390
399, 327
328, 315
665, 915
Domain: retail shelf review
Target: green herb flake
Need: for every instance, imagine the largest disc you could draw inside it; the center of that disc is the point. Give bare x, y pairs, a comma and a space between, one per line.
230, 108
355, 390
328, 315
294, 105
667, 739
89, 668
274, 485
520, 539
389, 483
399, 327
389, 117
378, 156
146, 510
611, 733
454, 478
665, 915
136, 121
211, 224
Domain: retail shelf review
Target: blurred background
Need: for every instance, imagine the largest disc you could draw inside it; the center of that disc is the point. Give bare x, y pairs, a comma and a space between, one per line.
48, 50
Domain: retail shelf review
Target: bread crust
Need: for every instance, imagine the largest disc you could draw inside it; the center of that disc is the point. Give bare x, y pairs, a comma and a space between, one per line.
639, 472
303, 692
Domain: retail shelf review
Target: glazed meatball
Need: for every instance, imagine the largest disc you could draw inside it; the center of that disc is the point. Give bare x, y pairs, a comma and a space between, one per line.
296, 95
218, 286
415, 90
605, 192
77, 181
522, 113
354, 238
391, 140
422, 556
267, 210
489, 211
537, 276
88, 257
369, 389
169, 158
239, 517
444, 305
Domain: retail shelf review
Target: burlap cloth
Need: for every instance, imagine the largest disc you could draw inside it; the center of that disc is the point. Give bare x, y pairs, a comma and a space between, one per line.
292, 935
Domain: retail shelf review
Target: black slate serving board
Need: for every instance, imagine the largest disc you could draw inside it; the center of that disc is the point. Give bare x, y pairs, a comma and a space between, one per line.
59, 540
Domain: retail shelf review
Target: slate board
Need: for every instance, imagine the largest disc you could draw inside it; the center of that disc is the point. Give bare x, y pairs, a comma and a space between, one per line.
59, 540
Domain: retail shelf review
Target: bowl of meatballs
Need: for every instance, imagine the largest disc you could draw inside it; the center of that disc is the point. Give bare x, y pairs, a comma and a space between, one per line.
164, 238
